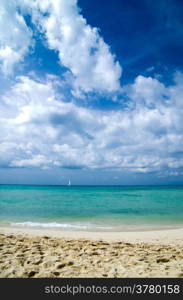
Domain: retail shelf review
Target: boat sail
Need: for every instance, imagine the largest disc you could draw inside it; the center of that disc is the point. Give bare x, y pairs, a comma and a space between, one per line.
69, 183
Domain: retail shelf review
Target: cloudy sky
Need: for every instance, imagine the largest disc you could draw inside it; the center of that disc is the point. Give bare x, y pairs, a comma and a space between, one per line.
91, 91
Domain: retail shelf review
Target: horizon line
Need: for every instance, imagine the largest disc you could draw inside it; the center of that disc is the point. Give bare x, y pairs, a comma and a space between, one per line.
100, 185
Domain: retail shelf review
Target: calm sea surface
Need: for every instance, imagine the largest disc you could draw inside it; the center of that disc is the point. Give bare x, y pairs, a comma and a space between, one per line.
92, 208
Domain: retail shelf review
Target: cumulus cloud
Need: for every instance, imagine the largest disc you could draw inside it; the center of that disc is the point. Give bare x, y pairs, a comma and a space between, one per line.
40, 130
148, 90
15, 37
80, 47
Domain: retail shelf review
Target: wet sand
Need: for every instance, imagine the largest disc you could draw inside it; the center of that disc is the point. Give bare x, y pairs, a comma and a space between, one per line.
49, 253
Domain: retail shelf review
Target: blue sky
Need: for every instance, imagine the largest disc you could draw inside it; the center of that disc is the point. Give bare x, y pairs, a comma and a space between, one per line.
143, 34
91, 91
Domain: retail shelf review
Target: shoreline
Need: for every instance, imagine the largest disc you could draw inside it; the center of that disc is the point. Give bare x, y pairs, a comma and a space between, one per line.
159, 236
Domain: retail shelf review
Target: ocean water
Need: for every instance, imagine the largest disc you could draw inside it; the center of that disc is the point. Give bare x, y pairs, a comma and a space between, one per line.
92, 208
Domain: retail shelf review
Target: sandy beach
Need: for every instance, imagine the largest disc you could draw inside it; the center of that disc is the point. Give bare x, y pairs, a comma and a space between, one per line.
28, 252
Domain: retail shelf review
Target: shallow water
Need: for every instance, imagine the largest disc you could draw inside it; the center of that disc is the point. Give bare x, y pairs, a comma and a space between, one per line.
108, 208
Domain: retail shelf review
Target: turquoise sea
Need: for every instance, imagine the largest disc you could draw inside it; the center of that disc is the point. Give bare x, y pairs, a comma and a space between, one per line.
92, 208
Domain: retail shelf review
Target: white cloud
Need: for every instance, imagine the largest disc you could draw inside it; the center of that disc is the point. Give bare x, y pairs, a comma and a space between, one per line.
80, 47
35, 161
148, 90
40, 130
15, 37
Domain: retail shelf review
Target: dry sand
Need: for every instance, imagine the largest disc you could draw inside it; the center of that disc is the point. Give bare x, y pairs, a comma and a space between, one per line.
48, 253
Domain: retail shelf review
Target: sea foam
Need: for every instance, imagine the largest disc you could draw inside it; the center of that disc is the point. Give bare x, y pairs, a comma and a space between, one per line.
59, 225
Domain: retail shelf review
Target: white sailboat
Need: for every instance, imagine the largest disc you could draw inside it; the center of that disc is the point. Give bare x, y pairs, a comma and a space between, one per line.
69, 183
